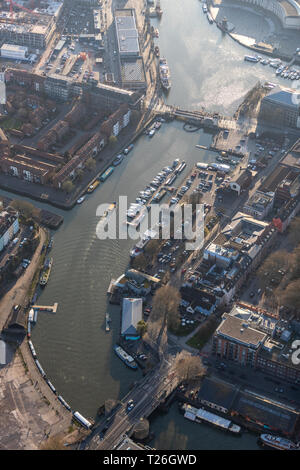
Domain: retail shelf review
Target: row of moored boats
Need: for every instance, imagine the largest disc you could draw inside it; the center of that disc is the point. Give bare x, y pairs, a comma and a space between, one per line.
282, 70
103, 177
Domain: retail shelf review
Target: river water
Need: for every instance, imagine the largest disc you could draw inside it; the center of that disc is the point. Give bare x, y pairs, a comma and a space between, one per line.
72, 346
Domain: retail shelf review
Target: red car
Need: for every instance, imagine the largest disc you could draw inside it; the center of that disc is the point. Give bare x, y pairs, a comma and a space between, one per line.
183, 271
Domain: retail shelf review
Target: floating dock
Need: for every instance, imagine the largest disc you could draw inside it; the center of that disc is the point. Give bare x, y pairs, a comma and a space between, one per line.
46, 308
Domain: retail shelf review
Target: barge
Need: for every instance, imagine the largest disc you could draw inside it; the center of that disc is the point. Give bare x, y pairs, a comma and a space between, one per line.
202, 416
107, 322
93, 186
126, 358
106, 173
46, 272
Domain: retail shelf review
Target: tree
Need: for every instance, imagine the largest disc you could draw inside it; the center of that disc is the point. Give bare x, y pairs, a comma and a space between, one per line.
112, 140
68, 186
291, 296
90, 164
24, 208
294, 231
79, 174
188, 368
152, 248
274, 262
166, 306
141, 327
140, 262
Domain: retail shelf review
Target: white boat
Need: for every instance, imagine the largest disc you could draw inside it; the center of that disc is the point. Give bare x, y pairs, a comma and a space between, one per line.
164, 73
277, 442
210, 18
151, 133
80, 200
250, 58
118, 160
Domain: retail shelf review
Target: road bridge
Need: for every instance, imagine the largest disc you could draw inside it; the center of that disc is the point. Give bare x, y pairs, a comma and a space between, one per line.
147, 395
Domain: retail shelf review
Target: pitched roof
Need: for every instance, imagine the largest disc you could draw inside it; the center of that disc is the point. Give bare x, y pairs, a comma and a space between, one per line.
131, 315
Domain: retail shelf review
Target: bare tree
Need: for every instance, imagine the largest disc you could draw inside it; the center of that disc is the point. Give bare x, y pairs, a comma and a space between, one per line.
273, 263
188, 368
165, 306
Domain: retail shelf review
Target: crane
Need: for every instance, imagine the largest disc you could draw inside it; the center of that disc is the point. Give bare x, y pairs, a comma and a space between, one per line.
11, 10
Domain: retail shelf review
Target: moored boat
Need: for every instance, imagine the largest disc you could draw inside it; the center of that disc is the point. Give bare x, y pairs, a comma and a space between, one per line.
93, 186
209, 17
46, 272
126, 358
128, 149
250, 58
164, 73
277, 442
201, 415
107, 322
106, 173
118, 160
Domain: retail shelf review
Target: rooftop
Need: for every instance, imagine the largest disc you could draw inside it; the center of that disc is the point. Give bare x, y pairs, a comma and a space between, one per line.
238, 330
283, 96
131, 315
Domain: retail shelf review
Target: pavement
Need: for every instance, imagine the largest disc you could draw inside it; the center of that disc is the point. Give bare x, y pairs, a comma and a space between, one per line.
18, 293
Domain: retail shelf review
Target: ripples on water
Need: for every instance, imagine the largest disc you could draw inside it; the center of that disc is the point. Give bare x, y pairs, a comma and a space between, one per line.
73, 348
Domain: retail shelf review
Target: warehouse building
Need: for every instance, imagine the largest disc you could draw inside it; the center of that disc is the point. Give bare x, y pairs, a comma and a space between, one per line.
127, 33
10, 51
131, 315
281, 106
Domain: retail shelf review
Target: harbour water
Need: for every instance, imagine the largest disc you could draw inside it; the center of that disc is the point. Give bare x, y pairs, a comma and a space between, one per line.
207, 69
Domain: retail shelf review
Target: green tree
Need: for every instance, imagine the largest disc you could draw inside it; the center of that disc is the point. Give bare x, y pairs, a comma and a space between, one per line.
79, 174
68, 186
25, 208
141, 327
112, 140
90, 164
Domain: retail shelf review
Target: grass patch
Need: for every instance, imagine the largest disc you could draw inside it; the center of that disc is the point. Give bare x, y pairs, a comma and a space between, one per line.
183, 330
204, 334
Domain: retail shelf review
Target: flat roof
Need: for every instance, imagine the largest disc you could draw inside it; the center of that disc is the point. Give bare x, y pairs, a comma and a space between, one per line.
283, 96
132, 71
217, 391
14, 47
127, 34
266, 411
235, 328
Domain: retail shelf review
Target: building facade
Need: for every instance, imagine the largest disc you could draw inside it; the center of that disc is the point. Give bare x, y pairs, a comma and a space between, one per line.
9, 226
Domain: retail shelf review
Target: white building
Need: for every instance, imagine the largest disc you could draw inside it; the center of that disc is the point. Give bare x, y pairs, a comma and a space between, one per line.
12, 51
9, 226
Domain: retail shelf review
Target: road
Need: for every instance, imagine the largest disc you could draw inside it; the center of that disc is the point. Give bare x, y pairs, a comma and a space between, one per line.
17, 294
147, 395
